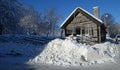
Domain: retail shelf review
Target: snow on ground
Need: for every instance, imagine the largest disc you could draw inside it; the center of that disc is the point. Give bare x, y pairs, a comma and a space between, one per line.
69, 52
20, 48
15, 50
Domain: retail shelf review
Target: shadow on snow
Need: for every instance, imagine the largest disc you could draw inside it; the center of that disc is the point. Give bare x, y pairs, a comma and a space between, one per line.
21, 48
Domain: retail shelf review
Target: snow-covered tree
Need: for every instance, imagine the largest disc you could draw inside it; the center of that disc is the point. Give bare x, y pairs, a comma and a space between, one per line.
111, 25
17, 18
10, 13
31, 21
52, 17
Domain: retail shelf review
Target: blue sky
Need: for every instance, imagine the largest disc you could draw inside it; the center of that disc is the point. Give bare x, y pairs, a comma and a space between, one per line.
65, 7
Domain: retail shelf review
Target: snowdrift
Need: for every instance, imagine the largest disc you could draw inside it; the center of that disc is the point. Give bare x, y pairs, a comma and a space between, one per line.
69, 52
58, 51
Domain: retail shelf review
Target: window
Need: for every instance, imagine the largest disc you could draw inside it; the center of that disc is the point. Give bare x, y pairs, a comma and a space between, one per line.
92, 31
80, 30
69, 31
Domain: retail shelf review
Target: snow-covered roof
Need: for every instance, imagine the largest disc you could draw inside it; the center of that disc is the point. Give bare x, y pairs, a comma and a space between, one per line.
84, 11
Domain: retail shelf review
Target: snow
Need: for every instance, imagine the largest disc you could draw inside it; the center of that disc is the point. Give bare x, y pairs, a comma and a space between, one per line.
66, 52
20, 48
69, 52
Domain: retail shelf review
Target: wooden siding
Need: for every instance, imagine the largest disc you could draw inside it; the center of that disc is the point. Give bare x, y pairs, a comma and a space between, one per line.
81, 25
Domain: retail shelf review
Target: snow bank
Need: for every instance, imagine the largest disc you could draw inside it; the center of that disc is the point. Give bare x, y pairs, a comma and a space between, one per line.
101, 53
58, 51
69, 52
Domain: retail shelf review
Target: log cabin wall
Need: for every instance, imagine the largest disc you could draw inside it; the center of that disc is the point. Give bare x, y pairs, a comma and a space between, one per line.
81, 25
81, 22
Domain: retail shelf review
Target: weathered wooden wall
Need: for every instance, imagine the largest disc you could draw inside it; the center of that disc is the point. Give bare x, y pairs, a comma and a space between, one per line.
84, 25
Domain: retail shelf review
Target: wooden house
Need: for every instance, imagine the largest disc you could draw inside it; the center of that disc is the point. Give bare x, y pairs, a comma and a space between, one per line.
81, 22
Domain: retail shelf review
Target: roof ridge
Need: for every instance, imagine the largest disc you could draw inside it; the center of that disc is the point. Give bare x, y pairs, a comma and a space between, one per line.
84, 11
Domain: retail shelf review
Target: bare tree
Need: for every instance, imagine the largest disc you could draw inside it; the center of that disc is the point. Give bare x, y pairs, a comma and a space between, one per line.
16, 18
52, 18
31, 21
110, 24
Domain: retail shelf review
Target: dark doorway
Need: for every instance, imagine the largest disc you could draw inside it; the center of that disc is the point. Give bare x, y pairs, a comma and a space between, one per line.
83, 31
78, 30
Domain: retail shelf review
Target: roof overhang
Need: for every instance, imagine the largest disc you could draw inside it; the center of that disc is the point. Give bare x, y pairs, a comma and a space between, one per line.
77, 10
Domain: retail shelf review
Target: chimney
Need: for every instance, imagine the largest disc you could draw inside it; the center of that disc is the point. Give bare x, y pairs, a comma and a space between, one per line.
96, 11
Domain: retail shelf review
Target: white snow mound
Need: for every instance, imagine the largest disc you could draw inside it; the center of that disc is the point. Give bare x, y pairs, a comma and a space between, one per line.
69, 52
